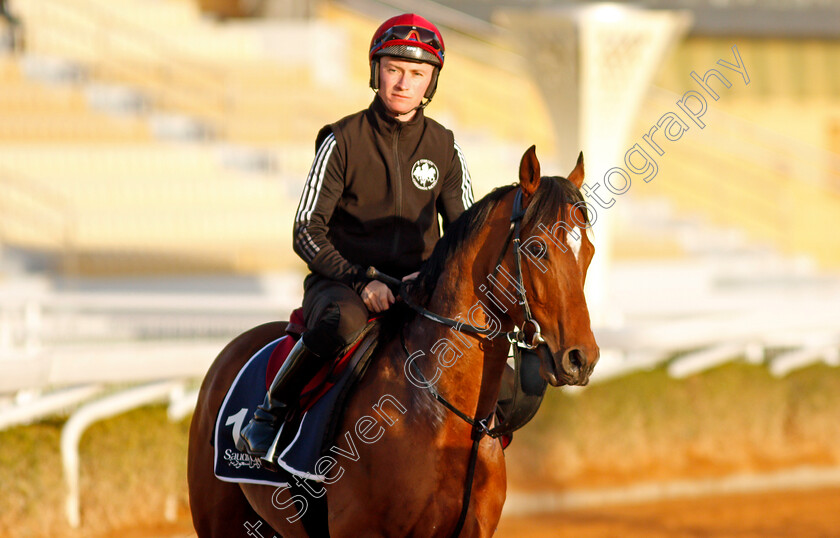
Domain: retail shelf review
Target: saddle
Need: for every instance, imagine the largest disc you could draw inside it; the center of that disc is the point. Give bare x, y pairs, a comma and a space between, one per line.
329, 373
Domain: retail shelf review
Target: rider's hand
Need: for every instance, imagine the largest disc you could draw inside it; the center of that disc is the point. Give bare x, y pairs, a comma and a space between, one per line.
412, 276
377, 296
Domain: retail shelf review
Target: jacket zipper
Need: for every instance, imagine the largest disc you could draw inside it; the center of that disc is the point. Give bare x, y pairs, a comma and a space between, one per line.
397, 190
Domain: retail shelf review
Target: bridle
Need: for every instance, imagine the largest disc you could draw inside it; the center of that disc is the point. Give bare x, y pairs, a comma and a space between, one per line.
517, 336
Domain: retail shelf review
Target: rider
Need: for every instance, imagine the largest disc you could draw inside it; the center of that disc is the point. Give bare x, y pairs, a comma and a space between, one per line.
379, 180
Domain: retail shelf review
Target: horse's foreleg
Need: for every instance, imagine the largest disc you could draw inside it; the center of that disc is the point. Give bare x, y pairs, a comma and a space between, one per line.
489, 489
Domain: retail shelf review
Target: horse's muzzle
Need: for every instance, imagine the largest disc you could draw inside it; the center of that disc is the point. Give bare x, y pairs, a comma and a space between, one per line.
570, 366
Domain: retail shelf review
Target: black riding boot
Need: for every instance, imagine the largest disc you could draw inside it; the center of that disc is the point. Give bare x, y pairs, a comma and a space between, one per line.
258, 436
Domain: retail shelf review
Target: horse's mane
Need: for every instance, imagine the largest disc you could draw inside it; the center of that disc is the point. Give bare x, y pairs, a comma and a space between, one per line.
552, 194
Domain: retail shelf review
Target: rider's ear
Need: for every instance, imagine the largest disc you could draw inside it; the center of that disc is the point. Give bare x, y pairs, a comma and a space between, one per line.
529, 172
576, 177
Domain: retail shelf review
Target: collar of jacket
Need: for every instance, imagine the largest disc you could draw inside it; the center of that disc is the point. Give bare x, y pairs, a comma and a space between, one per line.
387, 123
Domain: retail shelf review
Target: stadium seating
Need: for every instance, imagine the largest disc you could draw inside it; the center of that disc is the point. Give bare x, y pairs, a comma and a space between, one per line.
269, 86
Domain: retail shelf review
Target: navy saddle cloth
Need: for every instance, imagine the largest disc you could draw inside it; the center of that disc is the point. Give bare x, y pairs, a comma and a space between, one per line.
304, 437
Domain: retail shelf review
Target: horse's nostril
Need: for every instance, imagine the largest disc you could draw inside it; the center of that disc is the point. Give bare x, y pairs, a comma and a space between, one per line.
573, 361
576, 359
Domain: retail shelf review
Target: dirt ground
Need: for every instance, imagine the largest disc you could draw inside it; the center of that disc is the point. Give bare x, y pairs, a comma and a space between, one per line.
799, 514
794, 514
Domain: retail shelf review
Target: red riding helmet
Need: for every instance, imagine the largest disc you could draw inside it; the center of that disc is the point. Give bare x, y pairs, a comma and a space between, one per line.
411, 37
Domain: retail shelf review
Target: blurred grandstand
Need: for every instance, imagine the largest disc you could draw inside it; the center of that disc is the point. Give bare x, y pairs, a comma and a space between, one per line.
151, 157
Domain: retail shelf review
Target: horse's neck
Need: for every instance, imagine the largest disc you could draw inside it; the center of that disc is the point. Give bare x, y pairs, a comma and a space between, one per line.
470, 365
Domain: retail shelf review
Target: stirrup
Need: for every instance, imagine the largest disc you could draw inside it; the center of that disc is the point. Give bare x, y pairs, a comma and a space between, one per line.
269, 460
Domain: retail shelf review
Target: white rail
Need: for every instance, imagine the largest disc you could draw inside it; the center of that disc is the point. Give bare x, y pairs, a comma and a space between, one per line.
59, 349
26, 412
86, 415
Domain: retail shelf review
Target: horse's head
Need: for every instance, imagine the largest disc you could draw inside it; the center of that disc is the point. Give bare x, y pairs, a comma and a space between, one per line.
555, 253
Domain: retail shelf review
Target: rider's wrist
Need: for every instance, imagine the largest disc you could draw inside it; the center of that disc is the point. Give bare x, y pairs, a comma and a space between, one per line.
359, 279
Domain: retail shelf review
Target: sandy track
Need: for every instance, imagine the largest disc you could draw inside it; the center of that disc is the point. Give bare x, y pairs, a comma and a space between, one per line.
800, 514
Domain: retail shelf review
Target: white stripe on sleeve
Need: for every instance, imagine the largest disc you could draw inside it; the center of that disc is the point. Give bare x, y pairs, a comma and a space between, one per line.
309, 197
466, 181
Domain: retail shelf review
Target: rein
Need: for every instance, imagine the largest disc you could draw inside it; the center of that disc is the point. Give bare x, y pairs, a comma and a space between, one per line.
374, 274
516, 337
476, 423
479, 430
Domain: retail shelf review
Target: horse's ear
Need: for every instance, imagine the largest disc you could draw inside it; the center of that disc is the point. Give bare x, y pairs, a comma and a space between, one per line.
576, 177
529, 172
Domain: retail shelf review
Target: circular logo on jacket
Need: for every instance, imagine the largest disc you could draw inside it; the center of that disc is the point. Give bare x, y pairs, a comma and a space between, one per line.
424, 174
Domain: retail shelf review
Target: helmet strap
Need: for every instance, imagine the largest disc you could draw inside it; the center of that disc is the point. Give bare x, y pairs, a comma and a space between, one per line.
374, 74
430, 91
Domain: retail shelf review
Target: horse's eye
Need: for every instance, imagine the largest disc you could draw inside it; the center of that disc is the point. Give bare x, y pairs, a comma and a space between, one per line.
537, 250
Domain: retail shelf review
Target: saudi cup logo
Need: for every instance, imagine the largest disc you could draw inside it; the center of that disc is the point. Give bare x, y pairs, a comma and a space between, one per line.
424, 174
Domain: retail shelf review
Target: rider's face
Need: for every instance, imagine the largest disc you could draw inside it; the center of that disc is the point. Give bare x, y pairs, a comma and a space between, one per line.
402, 85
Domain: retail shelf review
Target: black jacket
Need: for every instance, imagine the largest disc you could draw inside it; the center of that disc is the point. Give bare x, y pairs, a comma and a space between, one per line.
374, 193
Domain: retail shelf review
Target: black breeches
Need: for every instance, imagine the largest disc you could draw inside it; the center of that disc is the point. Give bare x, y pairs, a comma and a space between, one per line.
334, 314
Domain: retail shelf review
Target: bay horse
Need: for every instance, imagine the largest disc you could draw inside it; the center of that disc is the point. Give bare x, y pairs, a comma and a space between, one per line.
401, 467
